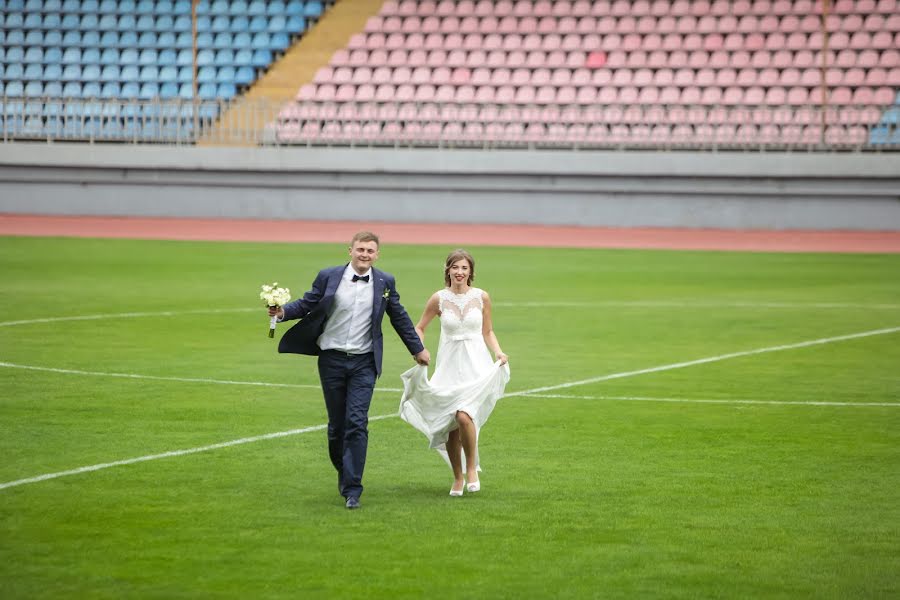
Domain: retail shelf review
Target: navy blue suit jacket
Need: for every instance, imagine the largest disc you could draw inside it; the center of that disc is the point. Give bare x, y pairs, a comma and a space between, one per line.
313, 308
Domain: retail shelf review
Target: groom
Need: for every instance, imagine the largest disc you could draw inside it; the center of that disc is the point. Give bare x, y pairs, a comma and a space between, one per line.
341, 323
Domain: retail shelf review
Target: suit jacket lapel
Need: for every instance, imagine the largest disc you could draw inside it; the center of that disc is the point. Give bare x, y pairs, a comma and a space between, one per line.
377, 291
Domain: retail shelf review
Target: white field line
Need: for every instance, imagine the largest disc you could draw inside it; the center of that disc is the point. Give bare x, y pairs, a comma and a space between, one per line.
709, 401
10, 365
131, 461
561, 304
534, 391
711, 359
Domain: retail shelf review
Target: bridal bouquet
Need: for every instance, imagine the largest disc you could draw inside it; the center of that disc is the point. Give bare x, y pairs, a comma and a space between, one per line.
274, 296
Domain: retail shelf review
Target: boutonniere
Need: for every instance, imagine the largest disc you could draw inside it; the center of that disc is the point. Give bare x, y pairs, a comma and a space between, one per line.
387, 293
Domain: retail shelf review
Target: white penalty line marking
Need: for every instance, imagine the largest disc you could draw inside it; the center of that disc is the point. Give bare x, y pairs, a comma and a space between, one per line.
560, 304
709, 401
131, 461
532, 392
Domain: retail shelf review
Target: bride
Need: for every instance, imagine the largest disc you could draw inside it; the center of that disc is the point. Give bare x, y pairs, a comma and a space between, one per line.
455, 403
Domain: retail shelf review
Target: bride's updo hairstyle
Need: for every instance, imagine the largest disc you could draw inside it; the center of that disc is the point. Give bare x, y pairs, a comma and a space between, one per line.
459, 254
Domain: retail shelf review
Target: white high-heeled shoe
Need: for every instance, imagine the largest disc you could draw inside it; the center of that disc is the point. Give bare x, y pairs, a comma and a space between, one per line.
456, 493
474, 487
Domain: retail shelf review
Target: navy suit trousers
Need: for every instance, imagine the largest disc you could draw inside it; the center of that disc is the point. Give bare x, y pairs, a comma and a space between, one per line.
348, 381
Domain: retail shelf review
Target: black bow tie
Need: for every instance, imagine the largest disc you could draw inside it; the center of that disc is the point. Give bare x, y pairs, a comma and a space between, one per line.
360, 278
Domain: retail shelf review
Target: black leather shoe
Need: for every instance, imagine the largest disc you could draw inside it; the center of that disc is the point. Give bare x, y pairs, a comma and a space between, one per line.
352, 502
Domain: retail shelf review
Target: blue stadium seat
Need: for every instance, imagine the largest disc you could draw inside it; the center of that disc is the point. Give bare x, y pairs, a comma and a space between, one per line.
313, 10
145, 7
110, 89
205, 40
223, 40
165, 39
34, 72
296, 24
207, 91
168, 90
147, 39
294, 8
182, 7
53, 38
52, 72
275, 7
145, 23
164, 23
182, 24
108, 7
109, 56
90, 39
184, 74
32, 21
90, 72
71, 38
89, 21
52, 5
224, 58
277, 24
148, 56
226, 91
148, 73
204, 24
185, 57
238, 7
109, 39
261, 41
14, 55
127, 22
225, 75
72, 72
128, 56
185, 91
91, 89
110, 73
53, 89
72, 89
262, 58
130, 90
206, 74
221, 23
205, 57
129, 73
258, 23
167, 57
279, 41
243, 58
71, 56
183, 40
257, 7
51, 21
128, 39
90, 56
32, 38
239, 24
218, 7
127, 6
70, 21
34, 89
149, 90
108, 22
14, 20
242, 41
34, 6
34, 54
88, 6
71, 6
168, 74
14, 72
166, 7
244, 76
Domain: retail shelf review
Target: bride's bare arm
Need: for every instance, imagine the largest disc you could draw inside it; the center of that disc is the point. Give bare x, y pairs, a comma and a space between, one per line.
432, 309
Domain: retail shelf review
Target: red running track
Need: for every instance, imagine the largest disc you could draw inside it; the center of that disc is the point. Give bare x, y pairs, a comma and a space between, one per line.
450, 234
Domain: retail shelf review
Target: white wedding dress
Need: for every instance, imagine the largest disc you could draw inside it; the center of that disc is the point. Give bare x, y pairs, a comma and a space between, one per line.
465, 377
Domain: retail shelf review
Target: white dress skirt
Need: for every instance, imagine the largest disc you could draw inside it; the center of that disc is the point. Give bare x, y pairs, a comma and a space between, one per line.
465, 377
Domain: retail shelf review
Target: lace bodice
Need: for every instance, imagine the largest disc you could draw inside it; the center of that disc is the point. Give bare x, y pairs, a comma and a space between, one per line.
461, 316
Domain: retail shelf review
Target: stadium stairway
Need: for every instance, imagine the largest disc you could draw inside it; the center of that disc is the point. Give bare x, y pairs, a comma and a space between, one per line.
240, 123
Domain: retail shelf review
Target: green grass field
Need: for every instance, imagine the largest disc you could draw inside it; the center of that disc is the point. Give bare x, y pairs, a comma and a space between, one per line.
668, 431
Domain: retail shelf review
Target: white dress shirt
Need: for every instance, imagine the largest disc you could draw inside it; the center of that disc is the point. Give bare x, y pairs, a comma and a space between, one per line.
349, 324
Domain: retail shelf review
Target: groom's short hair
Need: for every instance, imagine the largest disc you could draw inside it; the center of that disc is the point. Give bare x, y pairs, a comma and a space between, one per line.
365, 236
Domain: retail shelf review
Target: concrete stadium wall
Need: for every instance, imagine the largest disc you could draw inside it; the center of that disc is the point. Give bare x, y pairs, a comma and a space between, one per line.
731, 190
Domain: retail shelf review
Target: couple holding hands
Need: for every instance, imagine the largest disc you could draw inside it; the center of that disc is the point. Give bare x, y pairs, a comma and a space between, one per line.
340, 322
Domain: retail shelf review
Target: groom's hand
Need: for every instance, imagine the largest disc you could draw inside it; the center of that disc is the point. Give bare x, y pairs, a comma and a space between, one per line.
423, 357
276, 311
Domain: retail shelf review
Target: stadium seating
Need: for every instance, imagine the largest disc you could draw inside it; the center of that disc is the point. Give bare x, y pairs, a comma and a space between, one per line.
616, 73
70, 50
